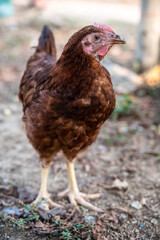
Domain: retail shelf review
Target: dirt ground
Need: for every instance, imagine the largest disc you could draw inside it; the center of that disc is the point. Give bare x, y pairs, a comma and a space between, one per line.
123, 165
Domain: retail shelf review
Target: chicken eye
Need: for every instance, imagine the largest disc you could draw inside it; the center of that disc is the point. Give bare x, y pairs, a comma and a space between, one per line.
97, 37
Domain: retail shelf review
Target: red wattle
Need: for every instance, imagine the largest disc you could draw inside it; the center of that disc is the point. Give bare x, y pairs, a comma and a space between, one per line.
102, 51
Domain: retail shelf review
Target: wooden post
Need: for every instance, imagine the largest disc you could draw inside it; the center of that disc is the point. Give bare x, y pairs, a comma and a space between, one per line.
148, 46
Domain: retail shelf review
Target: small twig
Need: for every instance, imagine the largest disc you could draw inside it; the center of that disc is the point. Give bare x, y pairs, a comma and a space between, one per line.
75, 209
111, 219
152, 153
14, 221
5, 196
121, 209
12, 197
3, 187
113, 188
107, 187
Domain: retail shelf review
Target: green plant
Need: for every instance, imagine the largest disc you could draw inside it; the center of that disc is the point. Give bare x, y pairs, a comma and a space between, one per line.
66, 234
123, 105
30, 214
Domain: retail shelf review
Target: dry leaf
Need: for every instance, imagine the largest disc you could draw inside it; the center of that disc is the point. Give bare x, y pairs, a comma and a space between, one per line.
121, 185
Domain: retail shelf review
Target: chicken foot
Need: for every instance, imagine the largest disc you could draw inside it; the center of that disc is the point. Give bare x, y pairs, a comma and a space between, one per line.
73, 193
82, 194
43, 198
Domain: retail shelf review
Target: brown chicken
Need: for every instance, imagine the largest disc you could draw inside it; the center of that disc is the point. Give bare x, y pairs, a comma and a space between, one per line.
65, 102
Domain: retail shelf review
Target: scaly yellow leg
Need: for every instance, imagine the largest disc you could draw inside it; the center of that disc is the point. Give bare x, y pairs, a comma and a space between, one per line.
43, 196
75, 196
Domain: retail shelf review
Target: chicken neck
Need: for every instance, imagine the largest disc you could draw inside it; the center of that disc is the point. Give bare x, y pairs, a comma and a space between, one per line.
77, 70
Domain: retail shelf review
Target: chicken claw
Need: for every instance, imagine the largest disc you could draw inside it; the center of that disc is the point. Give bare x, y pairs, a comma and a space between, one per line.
79, 198
84, 195
45, 203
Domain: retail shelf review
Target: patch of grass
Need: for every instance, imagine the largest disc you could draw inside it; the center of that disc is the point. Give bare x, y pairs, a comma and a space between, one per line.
124, 105
110, 141
16, 39
153, 91
119, 138
82, 208
29, 215
66, 234
51, 227
77, 229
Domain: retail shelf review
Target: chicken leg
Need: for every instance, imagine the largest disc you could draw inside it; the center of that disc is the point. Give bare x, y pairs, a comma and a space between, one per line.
73, 193
43, 199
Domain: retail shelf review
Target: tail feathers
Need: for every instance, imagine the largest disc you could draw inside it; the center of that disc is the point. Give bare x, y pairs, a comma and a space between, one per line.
46, 42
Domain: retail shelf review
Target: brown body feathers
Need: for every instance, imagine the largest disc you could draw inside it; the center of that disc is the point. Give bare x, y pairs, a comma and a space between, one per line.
66, 102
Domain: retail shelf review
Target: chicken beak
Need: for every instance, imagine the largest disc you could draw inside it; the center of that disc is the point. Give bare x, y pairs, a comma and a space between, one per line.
116, 39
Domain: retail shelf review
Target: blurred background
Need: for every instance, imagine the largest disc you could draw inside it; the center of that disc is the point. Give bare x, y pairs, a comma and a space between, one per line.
136, 20
128, 145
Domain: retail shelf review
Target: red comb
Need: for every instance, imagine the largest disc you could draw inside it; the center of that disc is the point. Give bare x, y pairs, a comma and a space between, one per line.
103, 27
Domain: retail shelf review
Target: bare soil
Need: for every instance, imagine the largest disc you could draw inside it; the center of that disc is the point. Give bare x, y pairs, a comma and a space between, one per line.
123, 165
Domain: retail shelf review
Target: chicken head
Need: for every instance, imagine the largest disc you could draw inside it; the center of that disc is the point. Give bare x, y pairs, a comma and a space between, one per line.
98, 43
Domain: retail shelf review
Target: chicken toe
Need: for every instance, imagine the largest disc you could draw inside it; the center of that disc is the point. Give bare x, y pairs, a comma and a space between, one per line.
79, 198
45, 203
